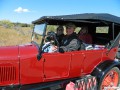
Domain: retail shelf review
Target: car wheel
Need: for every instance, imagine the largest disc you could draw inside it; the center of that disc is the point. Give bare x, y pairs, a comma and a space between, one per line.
110, 79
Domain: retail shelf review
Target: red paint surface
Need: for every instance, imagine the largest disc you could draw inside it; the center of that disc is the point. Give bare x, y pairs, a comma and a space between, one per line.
52, 66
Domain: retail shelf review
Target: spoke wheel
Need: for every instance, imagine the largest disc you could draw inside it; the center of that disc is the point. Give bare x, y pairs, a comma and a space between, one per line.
110, 79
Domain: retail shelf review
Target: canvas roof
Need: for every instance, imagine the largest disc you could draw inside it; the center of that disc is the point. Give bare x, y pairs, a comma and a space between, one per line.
86, 17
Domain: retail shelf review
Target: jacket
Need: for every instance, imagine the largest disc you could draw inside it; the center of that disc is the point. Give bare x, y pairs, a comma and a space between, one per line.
70, 43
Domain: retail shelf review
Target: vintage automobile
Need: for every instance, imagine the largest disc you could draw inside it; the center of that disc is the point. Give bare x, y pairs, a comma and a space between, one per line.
27, 67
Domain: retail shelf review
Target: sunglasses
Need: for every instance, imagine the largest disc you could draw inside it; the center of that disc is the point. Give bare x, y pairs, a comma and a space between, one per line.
60, 30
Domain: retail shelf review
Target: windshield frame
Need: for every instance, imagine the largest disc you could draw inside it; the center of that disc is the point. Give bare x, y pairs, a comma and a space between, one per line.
43, 36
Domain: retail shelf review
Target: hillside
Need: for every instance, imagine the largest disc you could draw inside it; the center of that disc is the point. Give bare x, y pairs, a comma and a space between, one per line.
15, 36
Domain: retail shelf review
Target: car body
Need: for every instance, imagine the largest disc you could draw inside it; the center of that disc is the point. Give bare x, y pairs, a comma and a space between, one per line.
25, 66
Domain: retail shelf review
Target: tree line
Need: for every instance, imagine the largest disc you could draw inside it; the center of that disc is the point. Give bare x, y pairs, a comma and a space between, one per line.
9, 24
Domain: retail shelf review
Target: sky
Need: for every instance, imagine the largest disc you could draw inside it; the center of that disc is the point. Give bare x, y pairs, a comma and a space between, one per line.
26, 11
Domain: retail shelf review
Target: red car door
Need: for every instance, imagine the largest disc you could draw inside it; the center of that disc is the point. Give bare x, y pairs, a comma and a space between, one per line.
60, 66
92, 59
56, 65
76, 63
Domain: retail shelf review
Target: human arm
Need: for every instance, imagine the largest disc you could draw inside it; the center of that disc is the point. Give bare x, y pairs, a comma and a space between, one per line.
72, 46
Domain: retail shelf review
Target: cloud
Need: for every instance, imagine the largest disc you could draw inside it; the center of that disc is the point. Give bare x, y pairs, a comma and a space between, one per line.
21, 10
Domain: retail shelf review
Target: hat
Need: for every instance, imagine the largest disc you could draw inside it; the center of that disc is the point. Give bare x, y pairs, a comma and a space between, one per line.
70, 25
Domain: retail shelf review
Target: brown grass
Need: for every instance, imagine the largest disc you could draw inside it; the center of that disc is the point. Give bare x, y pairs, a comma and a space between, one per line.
9, 37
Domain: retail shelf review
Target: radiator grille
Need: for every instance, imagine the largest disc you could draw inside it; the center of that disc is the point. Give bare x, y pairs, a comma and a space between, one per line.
7, 73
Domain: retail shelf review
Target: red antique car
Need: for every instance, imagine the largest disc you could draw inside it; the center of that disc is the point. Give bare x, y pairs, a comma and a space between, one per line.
26, 67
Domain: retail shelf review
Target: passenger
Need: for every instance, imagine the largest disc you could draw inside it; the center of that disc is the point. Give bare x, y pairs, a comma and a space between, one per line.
85, 36
59, 33
70, 42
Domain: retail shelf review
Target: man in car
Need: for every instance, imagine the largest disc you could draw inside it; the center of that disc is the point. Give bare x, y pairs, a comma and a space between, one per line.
70, 42
84, 35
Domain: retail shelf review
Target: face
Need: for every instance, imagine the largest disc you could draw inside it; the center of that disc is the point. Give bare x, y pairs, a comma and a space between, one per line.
59, 32
69, 30
83, 31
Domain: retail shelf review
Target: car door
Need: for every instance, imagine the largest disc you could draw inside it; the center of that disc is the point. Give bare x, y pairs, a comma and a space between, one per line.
76, 63
56, 65
92, 59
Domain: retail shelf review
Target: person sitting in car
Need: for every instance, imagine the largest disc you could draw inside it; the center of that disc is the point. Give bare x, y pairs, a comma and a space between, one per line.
59, 33
84, 35
70, 42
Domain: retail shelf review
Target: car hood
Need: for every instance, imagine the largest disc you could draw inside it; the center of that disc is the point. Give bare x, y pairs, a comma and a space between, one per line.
8, 52
28, 50
14, 52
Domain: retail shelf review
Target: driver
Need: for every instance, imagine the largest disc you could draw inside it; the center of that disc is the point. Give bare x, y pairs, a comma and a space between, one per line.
70, 42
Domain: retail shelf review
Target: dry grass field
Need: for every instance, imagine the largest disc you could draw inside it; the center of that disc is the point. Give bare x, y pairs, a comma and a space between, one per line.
9, 37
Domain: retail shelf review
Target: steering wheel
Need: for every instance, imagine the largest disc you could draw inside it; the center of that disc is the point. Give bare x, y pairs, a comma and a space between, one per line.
52, 35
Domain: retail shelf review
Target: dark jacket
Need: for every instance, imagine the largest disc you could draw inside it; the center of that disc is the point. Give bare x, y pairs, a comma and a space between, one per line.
60, 38
70, 43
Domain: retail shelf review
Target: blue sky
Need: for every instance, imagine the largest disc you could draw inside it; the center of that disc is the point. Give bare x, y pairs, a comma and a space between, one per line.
26, 11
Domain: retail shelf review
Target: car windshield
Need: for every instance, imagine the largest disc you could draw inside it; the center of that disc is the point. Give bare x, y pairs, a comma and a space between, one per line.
38, 33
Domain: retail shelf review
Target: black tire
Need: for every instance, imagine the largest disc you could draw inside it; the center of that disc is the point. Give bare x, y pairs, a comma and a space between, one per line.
100, 82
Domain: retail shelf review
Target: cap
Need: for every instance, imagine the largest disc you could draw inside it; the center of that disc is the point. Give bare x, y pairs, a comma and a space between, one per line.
70, 25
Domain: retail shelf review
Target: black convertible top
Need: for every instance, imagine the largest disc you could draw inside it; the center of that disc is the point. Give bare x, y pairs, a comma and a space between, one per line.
86, 17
